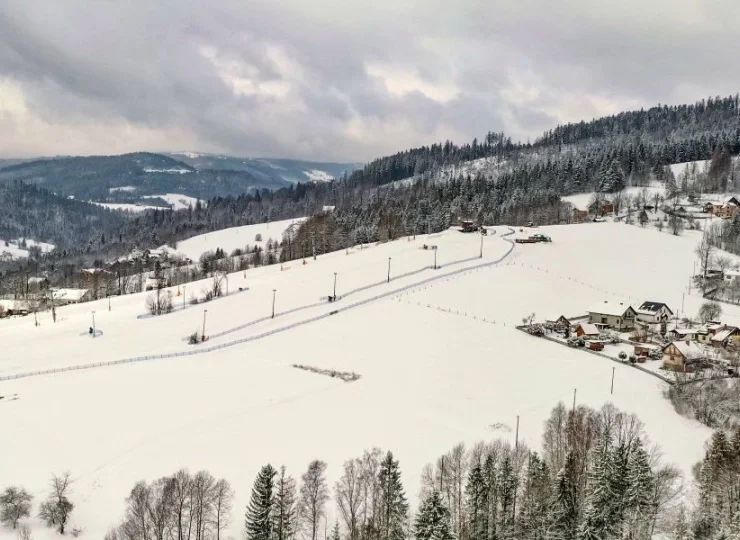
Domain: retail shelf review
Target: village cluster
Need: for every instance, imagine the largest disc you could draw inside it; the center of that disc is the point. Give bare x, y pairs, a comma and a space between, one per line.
650, 333
131, 273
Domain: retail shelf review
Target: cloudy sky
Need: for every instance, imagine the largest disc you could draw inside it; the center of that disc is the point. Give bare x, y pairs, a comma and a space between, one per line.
343, 80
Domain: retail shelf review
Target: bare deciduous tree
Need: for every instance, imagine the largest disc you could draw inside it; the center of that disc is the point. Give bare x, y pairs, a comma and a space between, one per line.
349, 491
15, 503
56, 509
314, 494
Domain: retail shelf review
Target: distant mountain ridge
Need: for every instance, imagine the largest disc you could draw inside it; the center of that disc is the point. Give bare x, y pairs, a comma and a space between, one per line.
131, 178
289, 170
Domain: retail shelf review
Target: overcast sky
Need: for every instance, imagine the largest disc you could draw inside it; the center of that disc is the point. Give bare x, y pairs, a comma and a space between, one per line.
342, 80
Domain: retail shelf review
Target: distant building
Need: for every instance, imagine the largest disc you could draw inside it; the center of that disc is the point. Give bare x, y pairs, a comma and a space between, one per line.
614, 314
70, 296
579, 215
683, 355
8, 308
653, 312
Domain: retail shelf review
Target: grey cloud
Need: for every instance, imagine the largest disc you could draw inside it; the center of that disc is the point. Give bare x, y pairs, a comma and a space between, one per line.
301, 69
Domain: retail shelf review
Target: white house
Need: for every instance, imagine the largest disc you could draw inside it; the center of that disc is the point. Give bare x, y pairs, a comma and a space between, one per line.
653, 312
70, 296
731, 275
615, 314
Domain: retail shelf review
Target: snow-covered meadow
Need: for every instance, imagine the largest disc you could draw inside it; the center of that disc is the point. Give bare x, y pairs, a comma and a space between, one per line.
439, 358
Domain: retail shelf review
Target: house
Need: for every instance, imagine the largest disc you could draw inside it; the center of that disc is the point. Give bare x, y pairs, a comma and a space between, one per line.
601, 207
731, 275
682, 355
722, 337
587, 330
579, 216
653, 312
683, 334
614, 314
726, 209
467, 226
37, 284
70, 296
9, 308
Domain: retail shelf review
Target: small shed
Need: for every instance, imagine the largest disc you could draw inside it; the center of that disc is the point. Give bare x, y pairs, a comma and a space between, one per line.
645, 349
722, 337
595, 344
587, 330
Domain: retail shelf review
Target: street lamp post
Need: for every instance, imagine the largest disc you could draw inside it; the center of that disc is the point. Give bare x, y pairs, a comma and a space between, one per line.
389, 269
481, 244
203, 335
184, 294
273, 303
93, 321
435, 257
335, 286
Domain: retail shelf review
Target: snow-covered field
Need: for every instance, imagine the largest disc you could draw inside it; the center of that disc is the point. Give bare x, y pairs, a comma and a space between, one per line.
440, 361
14, 250
177, 201
581, 200
234, 237
126, 207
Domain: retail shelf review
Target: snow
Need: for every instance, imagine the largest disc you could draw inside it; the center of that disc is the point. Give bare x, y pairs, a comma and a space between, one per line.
191, 155
440, 362
582, 200
14, 251
234, 237
126, 207
177, 201
178, 170
678, 168
316, 175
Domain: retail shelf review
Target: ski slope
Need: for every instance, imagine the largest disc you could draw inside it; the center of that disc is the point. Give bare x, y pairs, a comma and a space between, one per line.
439, 358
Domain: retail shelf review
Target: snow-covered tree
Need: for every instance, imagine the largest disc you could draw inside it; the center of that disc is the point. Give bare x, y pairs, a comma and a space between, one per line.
433, 519
258, 518
393, 505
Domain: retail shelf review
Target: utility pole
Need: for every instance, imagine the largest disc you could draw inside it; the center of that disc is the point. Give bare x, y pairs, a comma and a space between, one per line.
481, 243
53, 308
435, 257
203, 335
184, 290
516, 439
93, 321
313, 245
273, 303
109, 302
613, 370
389, 269
335, 286
574, 399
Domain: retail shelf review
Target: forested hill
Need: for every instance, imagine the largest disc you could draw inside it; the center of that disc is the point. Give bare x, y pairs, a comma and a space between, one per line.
27, 211
495, 180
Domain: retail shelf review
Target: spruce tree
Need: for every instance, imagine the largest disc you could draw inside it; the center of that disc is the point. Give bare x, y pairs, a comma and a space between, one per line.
567, 499
433, 520
476, 492
258, 520
393, 505
597, 519
284, 507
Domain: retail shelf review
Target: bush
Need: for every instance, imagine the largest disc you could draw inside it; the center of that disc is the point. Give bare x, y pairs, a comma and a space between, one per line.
623, 355
159, 304
633, 359
194, 338
258, 237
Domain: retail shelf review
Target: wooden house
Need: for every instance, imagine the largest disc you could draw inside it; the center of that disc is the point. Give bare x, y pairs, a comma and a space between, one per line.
683, 355
587, 330
579, 216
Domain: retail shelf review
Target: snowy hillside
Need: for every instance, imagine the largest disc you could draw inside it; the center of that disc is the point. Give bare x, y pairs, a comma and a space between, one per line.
235, 237
439, 358
582, 200
14, 250
177, 201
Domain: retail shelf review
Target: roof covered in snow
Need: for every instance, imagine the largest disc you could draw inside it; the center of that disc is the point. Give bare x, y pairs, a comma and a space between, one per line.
72, 295
690, 350
652, 307
616, 309
588, 329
